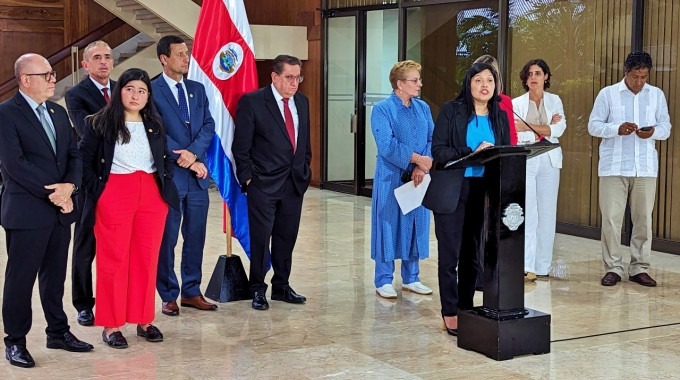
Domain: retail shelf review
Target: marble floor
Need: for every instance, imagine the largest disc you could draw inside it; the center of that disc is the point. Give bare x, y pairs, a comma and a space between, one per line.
345, 331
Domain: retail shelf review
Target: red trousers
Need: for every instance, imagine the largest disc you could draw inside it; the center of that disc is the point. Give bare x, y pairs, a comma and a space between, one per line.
129, 222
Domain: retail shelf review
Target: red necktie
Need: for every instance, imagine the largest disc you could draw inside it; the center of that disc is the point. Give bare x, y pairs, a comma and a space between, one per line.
106, 95
290, 126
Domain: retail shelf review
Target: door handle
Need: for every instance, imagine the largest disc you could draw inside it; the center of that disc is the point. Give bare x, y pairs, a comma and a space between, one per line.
353, 123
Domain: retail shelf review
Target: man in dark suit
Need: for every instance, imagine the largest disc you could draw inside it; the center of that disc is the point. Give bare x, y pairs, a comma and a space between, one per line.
189, 127
86, 98
41, 168
272, 152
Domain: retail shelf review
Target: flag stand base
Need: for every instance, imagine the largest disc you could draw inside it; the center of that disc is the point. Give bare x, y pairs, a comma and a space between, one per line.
228, 281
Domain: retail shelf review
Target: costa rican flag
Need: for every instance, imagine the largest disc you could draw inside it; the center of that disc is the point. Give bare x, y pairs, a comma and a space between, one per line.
223, 60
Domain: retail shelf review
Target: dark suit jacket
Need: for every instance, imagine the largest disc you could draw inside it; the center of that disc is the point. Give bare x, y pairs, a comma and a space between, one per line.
202, 126
29, 163
262, 148
83, 100
449, 143
98, 158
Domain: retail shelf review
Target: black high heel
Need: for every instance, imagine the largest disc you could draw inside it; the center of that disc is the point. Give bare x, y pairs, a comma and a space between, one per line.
449, 331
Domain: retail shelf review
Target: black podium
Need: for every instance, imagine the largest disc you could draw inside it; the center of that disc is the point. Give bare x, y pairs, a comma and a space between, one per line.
502, 327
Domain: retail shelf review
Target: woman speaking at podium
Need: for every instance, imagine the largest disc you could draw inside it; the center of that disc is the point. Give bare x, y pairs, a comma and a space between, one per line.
471, 122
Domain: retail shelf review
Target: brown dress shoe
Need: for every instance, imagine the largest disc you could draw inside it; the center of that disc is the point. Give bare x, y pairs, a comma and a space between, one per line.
197, 302
610, 279
643, 279
170, 308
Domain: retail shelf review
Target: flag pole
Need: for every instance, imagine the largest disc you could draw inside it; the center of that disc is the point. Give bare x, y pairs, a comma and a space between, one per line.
227, 227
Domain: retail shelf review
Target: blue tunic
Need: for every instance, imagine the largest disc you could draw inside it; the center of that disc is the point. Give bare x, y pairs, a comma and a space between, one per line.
398, 131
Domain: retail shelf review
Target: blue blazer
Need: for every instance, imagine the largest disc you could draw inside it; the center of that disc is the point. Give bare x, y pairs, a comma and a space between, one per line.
202, 126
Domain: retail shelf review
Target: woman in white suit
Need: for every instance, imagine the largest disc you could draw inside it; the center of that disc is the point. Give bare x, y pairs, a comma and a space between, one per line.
544, 113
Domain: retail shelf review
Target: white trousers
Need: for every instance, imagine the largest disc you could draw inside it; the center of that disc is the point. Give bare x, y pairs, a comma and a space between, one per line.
543, 182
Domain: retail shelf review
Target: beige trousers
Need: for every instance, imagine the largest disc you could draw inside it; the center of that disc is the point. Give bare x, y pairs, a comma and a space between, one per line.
639, 192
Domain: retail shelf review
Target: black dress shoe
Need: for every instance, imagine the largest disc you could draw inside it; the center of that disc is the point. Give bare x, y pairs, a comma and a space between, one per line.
115, 339
69, 342
152, 333
260, 300
19, 356
86, 318
287, 294
643, 279
610, 279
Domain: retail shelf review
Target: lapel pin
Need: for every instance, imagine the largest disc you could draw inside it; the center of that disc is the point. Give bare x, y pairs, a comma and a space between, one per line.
191, 95
150, 130
52, 110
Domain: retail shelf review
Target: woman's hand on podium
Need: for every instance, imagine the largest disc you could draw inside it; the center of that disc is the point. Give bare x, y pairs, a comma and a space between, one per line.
483, 145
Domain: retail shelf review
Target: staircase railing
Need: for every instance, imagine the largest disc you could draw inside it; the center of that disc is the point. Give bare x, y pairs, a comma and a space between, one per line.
65, 52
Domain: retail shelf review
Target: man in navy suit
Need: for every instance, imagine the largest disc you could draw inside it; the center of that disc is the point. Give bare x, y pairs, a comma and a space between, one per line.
272, 152
41, 169
183, 105
86, 98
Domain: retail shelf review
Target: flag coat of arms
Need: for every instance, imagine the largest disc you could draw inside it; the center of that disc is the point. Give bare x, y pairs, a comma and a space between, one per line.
223, 60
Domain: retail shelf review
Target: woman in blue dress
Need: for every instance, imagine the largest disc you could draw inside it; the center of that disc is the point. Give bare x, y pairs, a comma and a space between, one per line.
402, 127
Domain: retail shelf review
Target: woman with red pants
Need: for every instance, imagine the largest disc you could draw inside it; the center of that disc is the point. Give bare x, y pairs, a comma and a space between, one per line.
129, 176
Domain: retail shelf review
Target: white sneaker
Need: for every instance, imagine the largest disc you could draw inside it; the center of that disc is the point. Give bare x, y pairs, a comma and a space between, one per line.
386, 291
417, 287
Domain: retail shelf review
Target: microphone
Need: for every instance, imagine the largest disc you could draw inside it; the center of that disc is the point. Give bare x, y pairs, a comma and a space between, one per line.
527, 124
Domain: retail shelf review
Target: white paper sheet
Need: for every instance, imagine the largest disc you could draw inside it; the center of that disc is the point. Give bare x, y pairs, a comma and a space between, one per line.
409, 196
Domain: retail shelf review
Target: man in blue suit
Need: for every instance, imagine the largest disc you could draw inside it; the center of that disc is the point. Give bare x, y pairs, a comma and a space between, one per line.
183, 106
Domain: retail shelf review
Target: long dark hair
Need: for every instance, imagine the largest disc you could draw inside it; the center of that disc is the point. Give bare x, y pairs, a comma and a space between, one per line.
110, 121
496, 116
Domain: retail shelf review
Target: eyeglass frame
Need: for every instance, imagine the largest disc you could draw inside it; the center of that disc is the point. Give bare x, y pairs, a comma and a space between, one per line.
47, 76
414, 81
291, 78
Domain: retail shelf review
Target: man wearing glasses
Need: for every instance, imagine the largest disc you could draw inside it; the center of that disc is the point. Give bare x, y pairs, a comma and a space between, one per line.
272, 153
41, 169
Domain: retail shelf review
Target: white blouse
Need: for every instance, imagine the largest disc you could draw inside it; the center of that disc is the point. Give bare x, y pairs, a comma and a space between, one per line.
135, 155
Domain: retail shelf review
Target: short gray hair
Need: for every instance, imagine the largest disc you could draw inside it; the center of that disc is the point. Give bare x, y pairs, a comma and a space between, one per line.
92, 45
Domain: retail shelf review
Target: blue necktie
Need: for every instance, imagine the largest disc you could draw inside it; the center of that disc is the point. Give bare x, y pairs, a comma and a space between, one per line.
182, 100
49, 130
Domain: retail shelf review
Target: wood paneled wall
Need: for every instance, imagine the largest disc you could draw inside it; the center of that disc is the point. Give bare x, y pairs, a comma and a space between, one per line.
301, 13
46, 26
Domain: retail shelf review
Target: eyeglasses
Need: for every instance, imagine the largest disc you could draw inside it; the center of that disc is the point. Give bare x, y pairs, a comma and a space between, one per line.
48, 75
414, 80
293, 78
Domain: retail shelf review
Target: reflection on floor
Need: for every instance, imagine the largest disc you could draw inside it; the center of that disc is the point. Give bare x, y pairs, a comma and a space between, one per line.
346, 332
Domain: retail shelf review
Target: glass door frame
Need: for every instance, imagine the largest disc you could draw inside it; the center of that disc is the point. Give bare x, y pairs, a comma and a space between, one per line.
359, 183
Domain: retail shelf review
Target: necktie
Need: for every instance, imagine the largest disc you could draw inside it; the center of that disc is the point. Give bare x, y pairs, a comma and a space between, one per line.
105, 91
47, 127
182, 100
290, 126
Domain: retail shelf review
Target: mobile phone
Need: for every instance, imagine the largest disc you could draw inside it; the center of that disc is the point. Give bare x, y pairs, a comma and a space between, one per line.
646, 129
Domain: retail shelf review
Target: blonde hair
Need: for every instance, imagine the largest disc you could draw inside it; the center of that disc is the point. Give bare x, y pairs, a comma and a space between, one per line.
493, 62
400, 69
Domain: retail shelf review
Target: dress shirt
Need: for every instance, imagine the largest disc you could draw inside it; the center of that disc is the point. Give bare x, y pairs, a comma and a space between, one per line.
32, 103
291, 105
173, 88
629, 156
99, 86
135, 155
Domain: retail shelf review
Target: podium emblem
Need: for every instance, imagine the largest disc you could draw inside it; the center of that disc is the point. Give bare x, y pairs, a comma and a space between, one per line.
513, 216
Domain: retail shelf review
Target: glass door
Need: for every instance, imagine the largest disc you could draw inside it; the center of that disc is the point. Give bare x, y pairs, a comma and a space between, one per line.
341, 103
361, 46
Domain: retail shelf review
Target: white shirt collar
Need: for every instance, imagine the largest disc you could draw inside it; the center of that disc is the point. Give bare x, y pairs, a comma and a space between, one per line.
99, 85
171, 82
623, 87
